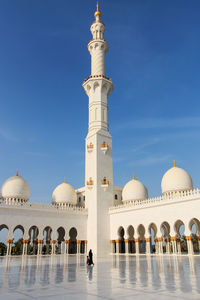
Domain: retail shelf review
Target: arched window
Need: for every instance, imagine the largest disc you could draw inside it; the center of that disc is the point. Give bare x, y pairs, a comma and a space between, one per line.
116, 197
79, 199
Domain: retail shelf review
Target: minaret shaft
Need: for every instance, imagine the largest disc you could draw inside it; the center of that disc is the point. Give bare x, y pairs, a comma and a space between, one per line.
98, 161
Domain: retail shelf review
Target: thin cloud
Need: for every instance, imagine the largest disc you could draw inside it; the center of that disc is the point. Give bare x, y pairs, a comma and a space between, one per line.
32, 153
153, 123
151, 160
6, 135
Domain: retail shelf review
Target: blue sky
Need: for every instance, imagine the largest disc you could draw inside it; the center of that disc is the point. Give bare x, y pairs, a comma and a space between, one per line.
154, 111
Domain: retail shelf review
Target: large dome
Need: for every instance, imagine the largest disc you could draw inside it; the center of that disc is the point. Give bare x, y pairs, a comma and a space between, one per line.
64, 193
15, 187
134, 190
176, 179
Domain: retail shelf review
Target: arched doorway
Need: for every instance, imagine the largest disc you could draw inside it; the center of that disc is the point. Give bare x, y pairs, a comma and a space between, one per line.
33, 240
194, 226
181, 242
60, 240
47, 232
153, 236
142, 241
165, 229
121, 239
131, 243
3, 239
18, 234
72, 241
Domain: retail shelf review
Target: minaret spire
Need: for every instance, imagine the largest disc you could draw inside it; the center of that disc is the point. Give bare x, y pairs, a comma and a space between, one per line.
97, 13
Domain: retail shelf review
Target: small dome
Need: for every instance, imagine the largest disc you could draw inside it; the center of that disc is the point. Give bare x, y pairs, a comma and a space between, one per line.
134, 190
15, 187
64, 193
176, 179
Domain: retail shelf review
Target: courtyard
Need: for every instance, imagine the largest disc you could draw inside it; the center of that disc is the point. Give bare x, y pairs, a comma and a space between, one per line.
113, 277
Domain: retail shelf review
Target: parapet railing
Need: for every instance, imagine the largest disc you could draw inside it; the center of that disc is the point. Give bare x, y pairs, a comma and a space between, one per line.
183, 195
53, 207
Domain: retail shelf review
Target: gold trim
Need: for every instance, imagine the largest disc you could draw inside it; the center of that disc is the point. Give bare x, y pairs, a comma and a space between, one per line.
105, 182
97, 13
90, 182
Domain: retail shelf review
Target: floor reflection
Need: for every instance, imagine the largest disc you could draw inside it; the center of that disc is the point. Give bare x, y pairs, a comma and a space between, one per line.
164, 274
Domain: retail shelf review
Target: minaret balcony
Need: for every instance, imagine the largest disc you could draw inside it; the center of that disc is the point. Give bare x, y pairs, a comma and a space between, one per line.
104, 147
90, 147
104, 183
90, 184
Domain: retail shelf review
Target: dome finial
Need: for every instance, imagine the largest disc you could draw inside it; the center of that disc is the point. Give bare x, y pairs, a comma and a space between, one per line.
174, 163
17, 173
65, 180
97, 13
133, 176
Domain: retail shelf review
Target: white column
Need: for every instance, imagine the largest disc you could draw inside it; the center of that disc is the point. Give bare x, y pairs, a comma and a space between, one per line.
9, 247
174, 248
24, 249
66, 246
190, 245
85, 247
78, 247
168, 250
117, 246
137, 251
148, 246
160, 246
178, 246
126, 241
53, 244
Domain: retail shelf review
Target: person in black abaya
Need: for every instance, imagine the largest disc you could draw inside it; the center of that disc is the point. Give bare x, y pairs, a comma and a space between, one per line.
91, 258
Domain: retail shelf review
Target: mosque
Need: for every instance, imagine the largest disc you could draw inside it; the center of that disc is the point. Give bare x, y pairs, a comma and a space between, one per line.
101, 216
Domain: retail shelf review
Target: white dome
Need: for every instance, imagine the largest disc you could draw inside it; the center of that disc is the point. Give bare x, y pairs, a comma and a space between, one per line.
176, 179
64, 193
134, 190
15, 187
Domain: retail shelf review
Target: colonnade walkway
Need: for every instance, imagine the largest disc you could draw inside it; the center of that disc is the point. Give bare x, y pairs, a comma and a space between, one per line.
172, 245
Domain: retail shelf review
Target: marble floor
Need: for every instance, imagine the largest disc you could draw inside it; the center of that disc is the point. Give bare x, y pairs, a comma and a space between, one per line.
112, 277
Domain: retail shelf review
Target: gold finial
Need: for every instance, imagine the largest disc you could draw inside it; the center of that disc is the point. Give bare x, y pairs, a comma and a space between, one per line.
174, 163
17, 173
65, 180
97, 13
133, 176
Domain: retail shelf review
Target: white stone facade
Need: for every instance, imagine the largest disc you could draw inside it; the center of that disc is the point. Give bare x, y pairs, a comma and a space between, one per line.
101, 216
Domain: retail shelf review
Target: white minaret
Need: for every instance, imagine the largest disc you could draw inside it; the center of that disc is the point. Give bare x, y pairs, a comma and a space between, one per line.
98, 157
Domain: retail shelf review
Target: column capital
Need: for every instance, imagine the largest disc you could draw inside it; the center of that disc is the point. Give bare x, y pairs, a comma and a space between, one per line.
136, 240
53, 242
159, 239
66, 241
78, 242
126, 240
40, 241
85, 241
117, 241
148, 240
9, 241
25, 241
173, 238
188, 238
